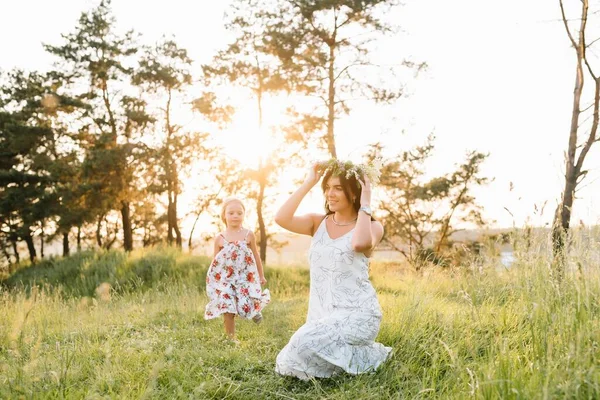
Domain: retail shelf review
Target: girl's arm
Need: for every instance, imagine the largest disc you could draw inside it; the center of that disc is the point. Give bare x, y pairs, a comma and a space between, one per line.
257, 259
367, 233
218, 244
302, 224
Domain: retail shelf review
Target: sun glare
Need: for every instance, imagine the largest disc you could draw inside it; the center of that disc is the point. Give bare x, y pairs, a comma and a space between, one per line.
246, 142
248, 145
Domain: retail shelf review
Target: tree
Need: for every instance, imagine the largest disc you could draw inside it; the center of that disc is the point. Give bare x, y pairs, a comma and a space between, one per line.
325, 47
420, 215
164, 70
247, 62
66, 113
150, 222
70, 207
20, 181
33, 134
98, 59
581, 135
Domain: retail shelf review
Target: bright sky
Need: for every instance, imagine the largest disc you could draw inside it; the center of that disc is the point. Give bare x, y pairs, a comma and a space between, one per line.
500, 80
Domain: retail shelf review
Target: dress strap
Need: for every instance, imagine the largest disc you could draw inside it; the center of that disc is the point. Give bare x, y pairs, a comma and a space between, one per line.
320, 225
247, 233
224, 238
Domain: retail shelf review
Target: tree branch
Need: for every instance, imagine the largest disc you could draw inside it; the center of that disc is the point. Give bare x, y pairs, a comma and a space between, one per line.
589, 67
592, 137
347, 67
593, 41
564, 19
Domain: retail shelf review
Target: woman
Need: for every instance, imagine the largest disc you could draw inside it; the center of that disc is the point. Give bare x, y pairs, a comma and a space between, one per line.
343, 312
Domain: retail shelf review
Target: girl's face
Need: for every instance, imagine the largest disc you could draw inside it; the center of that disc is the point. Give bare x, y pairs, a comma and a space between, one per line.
335, 196
234, 215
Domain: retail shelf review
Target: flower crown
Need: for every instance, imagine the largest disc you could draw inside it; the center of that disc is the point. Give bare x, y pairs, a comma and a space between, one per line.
348, 168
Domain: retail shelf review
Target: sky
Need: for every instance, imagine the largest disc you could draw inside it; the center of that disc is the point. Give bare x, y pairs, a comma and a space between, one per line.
499, 79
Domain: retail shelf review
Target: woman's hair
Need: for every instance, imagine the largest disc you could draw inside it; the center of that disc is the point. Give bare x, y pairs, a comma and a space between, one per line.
350, 186
227, 202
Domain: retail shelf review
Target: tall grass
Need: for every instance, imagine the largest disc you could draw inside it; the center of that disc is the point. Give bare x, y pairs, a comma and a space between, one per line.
473, 333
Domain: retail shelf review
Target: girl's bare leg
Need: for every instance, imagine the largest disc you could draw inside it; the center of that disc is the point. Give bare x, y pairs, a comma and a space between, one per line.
229, 320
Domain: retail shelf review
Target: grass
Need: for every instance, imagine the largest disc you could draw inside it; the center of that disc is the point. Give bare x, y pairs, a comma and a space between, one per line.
487, 334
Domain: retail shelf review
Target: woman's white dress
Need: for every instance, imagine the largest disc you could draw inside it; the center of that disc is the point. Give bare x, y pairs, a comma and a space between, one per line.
343, 315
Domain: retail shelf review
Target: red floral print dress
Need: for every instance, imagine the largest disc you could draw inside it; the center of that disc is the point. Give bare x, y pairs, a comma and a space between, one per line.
233, 284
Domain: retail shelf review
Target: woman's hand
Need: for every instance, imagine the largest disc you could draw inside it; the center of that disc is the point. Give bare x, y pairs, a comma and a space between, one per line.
365, 195
263, 281
302, 224
313, 176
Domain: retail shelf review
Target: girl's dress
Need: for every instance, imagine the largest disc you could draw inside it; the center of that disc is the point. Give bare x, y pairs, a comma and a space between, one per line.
343, 315
233, 284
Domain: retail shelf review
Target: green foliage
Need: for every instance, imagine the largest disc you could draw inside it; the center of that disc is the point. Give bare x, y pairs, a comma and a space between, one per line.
81, 274
421, 213
247, 61
324, 48
95, 61
164, 71
37, 162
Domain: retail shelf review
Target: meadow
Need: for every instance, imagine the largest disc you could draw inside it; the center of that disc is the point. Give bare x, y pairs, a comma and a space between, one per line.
117, 325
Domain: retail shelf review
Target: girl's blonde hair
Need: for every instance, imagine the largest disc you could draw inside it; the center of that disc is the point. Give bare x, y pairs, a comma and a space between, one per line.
227, 202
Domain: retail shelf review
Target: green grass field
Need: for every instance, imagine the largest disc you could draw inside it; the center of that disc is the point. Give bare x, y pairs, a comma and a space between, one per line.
489, 334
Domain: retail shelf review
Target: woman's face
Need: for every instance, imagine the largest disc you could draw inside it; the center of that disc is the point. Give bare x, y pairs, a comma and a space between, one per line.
335, 196
234, 215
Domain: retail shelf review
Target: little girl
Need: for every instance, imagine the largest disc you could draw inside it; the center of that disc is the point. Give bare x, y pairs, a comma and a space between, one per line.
233, 281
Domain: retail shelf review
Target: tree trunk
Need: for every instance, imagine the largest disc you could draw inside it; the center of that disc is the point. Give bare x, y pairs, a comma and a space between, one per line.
193, 228
146, 239
178, 240
562, 221
174, 233
261, 222
99, 231
192, 232
111, 117
42, 242
562, 217
7, 255
66, 244
262, 175
170, 228
331, 104
31, 248
172, 182
127, 233
15, 248
110, 242
79, 238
